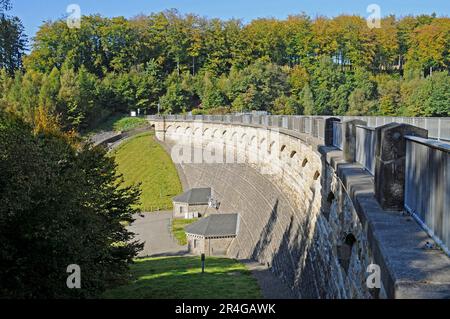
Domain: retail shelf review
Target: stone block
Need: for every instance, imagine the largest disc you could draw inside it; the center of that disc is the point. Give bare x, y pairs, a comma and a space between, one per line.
390, 163
349, 139
316, 123
329, 130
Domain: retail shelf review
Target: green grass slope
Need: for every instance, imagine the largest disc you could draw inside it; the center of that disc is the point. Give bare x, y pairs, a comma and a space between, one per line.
178, 229
181, 278
142, 160
117, 122
129, 123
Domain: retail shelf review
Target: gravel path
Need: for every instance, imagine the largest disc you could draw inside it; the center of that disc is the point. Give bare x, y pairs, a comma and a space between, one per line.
271, 286
154, 230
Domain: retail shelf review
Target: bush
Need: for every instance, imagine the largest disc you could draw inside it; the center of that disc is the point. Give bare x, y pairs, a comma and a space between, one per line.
199, 112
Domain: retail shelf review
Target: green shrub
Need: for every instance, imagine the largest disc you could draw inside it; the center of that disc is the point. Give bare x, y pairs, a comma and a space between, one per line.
142, 160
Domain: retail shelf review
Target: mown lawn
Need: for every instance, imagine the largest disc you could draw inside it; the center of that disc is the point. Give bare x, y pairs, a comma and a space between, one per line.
178, 229
181, 278
118, 122
129, 123
142, 160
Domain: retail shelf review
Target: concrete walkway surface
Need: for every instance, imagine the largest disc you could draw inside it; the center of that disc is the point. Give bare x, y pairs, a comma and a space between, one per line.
271, 286
154, 230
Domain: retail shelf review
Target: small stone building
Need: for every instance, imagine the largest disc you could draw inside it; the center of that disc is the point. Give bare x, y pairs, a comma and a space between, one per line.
212, 235
192, 203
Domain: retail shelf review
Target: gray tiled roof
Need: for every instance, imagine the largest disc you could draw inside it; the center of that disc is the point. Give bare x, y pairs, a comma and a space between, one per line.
194, 196
215, 225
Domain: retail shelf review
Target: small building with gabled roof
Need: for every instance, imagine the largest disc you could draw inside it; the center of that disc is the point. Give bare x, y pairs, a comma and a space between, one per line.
212, 235
192, 204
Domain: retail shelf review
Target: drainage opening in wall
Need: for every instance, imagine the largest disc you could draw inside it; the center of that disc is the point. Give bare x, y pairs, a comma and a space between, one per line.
344, 251
305, 161
270, 147
327, 206
350, 239
330, 198
316, 175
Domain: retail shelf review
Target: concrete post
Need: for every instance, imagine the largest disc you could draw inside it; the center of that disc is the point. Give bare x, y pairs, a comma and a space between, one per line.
329, 130
315, 123
390, 161
349, 139
301, 127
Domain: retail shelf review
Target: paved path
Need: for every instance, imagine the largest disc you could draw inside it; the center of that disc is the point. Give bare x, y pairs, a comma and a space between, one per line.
99, 137
154, 230
271, 286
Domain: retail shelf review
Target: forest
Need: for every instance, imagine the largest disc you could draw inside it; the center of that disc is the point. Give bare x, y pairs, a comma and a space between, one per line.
300, 65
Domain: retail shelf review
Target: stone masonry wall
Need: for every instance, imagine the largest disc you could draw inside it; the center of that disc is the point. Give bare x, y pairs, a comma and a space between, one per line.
202, 210
217, 246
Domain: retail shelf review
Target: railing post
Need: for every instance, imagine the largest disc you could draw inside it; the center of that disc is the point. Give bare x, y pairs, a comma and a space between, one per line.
329, 130
390, 162
284, 122
302, 124
349, 139
439, 129
309, 125
296, 123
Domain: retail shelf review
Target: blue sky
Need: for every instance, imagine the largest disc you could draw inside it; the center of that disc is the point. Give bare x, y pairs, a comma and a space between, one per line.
33, 12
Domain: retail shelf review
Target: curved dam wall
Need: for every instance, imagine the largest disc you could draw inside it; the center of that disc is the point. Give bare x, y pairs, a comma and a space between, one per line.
306, 213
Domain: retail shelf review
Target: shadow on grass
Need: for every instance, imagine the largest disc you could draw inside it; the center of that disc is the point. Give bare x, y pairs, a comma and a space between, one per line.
183, 252
181, 278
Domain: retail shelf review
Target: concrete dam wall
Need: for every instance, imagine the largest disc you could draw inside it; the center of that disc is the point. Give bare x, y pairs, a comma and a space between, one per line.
305, 212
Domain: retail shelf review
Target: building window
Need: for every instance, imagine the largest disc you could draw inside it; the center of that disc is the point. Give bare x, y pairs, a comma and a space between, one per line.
181, 209
195, 243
